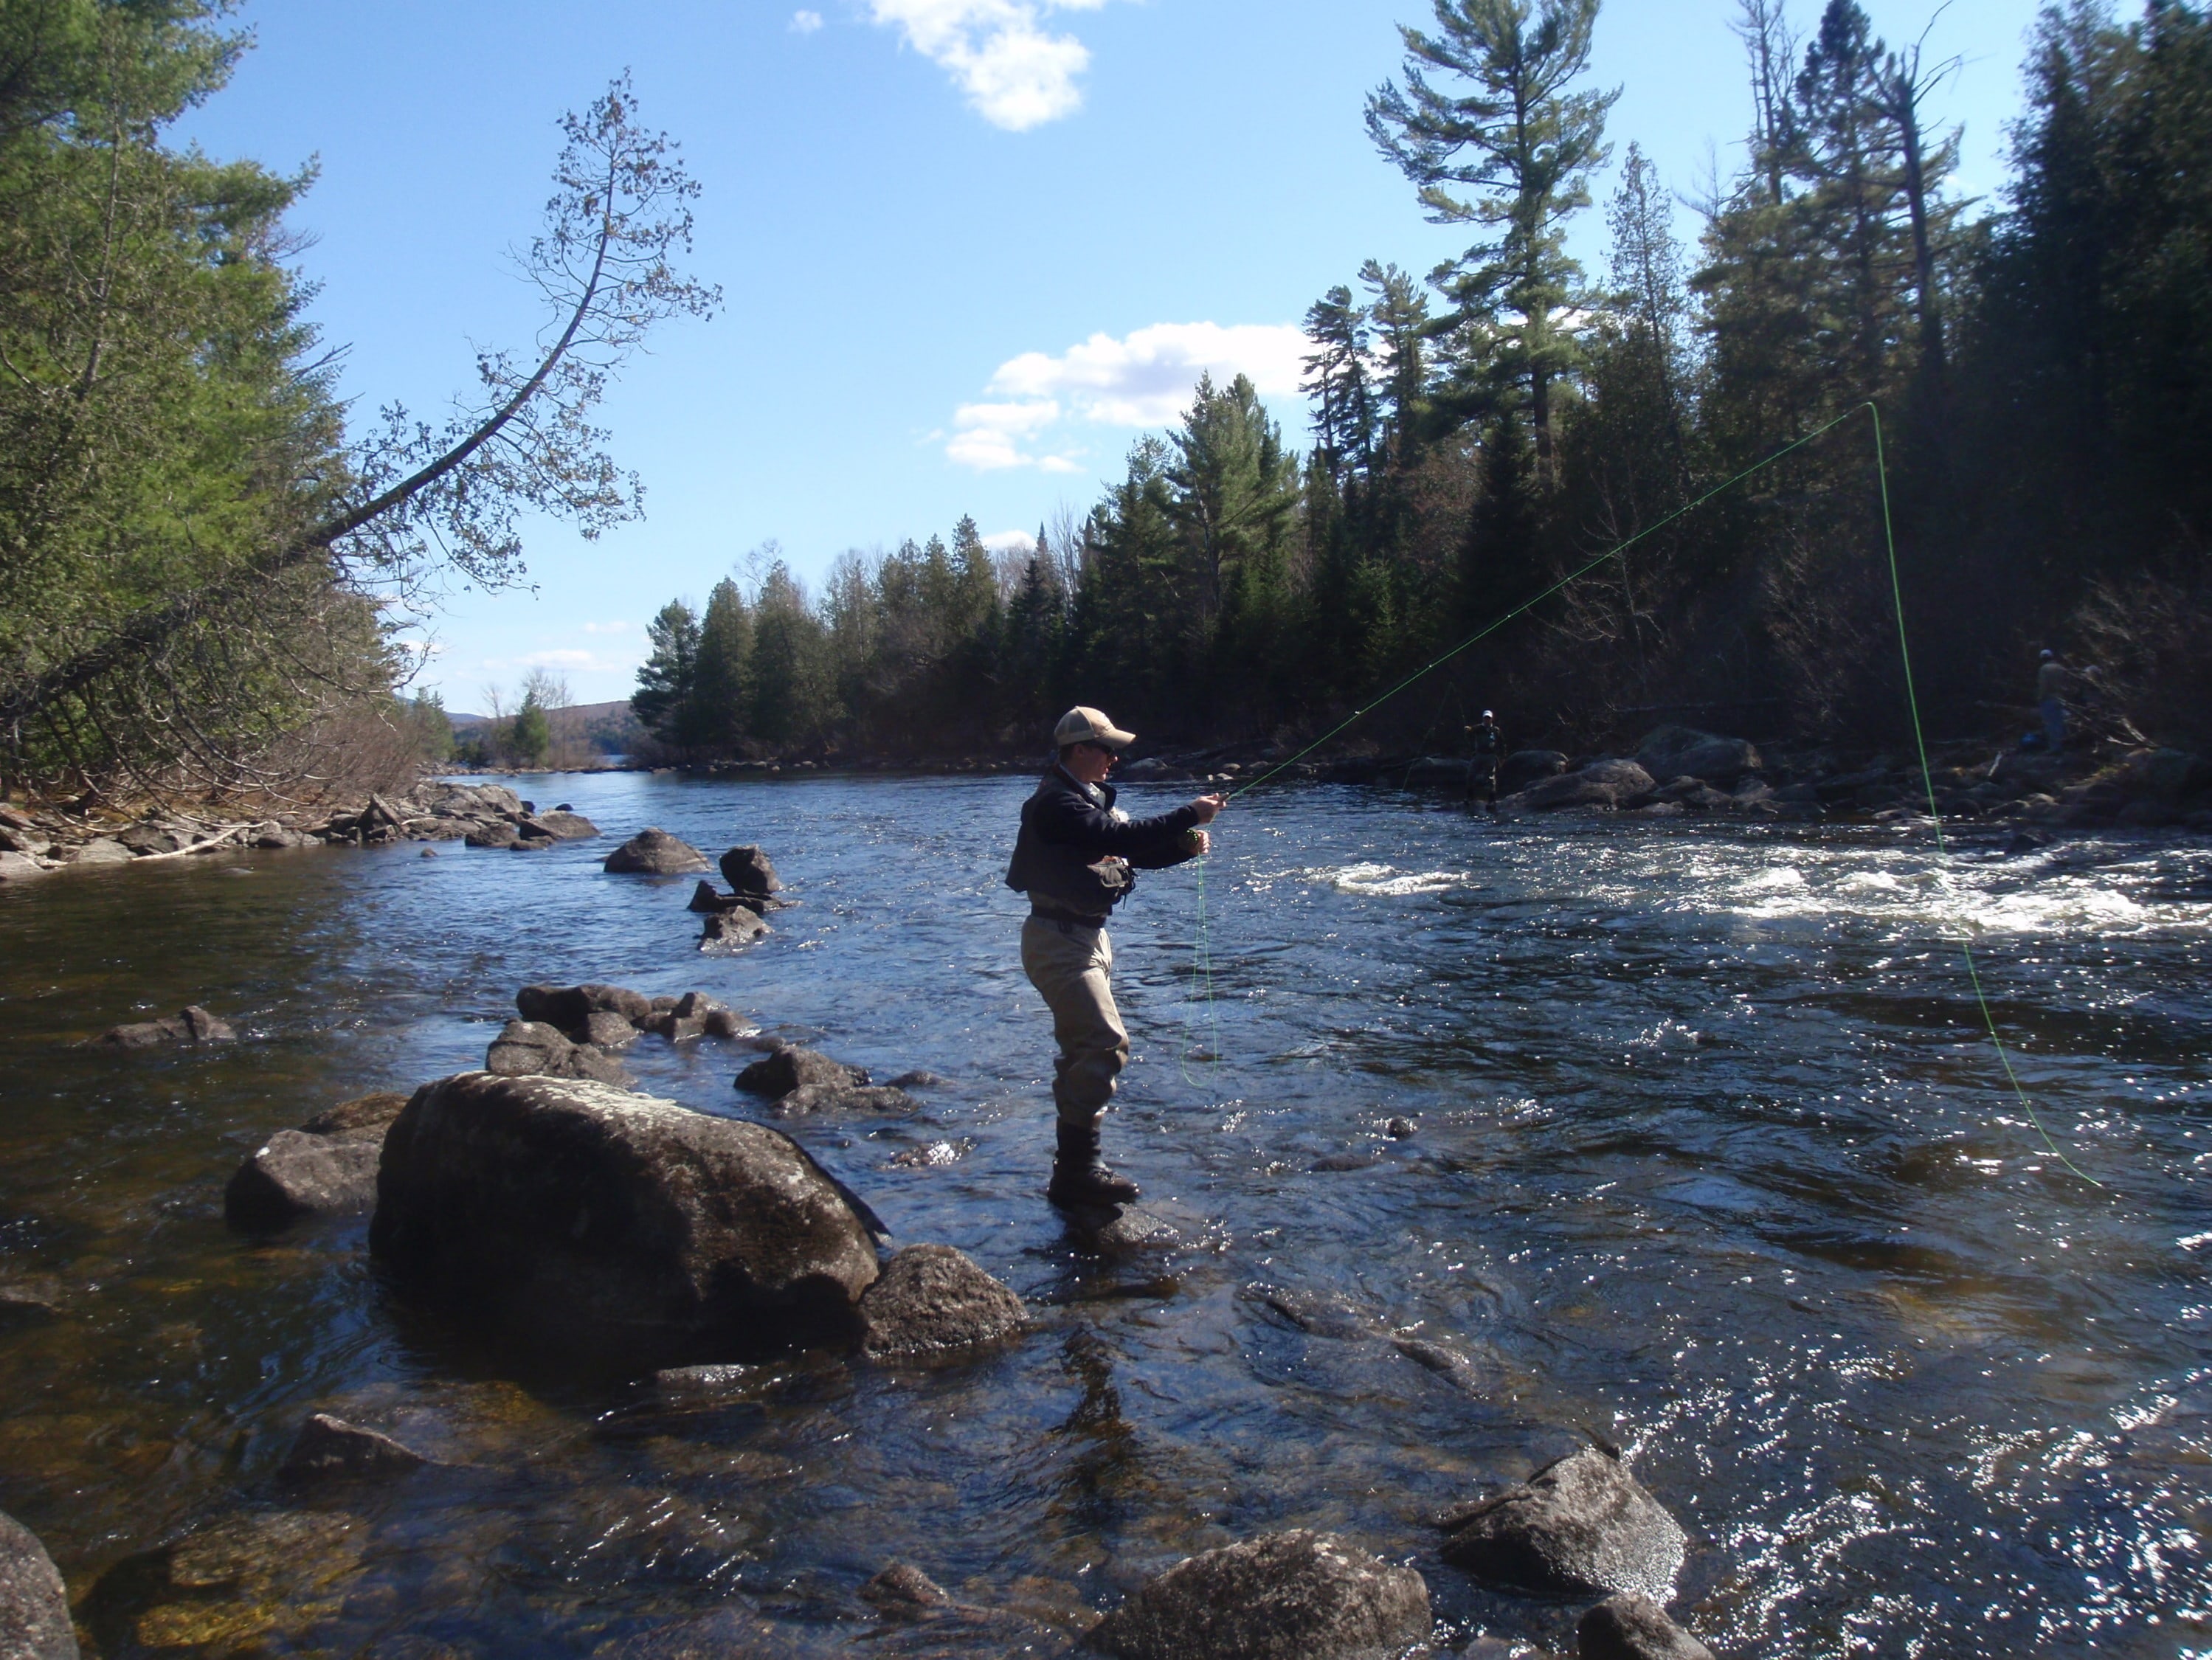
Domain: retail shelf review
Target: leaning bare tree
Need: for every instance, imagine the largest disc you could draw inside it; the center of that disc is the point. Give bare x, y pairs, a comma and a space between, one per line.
262, 627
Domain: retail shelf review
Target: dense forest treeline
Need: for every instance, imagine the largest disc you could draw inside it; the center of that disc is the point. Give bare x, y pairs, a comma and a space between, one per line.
2041, 368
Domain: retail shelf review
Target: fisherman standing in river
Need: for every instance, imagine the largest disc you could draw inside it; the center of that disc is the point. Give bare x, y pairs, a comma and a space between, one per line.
1076, 858
1485, 742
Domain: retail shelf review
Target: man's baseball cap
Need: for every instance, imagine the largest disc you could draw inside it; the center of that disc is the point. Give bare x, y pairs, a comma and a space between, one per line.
1088, 725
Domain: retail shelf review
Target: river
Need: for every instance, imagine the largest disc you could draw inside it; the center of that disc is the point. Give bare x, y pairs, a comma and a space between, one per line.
1711, 1161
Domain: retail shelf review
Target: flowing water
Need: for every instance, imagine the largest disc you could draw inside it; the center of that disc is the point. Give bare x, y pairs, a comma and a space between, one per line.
1713, 1162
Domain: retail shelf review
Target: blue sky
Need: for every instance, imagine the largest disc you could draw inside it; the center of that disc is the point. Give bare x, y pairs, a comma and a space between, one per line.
970, 248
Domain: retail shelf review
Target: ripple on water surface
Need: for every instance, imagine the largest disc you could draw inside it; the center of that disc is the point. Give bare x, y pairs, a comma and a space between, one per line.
1710, 1159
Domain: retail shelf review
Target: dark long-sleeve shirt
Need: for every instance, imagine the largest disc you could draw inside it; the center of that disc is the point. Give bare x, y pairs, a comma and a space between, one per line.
1075, 854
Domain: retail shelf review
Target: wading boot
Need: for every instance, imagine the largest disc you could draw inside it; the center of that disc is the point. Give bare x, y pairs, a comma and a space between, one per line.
1080, 1181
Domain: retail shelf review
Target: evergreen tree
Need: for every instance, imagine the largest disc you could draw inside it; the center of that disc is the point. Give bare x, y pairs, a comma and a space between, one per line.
531, 736
1512, 154
1336, 383
792, 689
1501, 559
722, 689
666, 701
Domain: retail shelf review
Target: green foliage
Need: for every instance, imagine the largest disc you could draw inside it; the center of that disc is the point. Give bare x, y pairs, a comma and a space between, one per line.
530, 736
425, 717
192, 554
1501, 143
665, 701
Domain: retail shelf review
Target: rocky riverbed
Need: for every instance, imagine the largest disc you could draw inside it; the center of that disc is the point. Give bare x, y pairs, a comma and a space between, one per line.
1587, 1234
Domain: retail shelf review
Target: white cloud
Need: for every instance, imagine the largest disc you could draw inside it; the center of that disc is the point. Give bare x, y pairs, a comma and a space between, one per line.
1012, 72
1144, 379
1012, 541
805, 22
991, 437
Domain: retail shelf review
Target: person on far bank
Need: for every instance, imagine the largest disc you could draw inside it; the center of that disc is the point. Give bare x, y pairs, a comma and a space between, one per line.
2052, 679
1486, 749
1077, 857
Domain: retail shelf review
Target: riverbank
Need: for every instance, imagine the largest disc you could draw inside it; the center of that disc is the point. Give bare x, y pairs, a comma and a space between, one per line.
1676, 772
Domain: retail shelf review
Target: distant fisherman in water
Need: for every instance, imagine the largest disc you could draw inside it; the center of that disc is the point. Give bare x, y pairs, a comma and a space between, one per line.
1076, 858
2052, 679
1485, 742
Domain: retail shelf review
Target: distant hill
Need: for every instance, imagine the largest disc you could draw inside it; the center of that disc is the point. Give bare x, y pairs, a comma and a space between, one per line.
610, 728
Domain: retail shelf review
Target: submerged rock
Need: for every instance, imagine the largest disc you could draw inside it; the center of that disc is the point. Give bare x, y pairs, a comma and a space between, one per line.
1579, 1527
584, 1214
34, 1615
1632, 1627
1298, 1595
739, 926
904, 1588
330, 1449
931, 1299
192, 1024
654, 852
793, 1067
254, 1581
530, 1048
809, 1099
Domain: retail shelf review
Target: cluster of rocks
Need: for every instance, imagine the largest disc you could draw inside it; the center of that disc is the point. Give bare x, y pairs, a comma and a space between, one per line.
1678, 770
739, 916
568, 1214
736, 918
575, 1031
1581, 1530
33, 843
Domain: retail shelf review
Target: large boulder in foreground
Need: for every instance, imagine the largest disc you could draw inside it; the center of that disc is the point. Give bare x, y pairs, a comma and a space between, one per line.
934, 1300
1632, 1627
1580, 1527
588, 1215
34, 1615
1288, 1597
327, 1167
653, 852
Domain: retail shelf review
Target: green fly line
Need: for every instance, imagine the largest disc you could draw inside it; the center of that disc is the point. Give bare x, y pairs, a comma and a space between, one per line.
1202, 955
